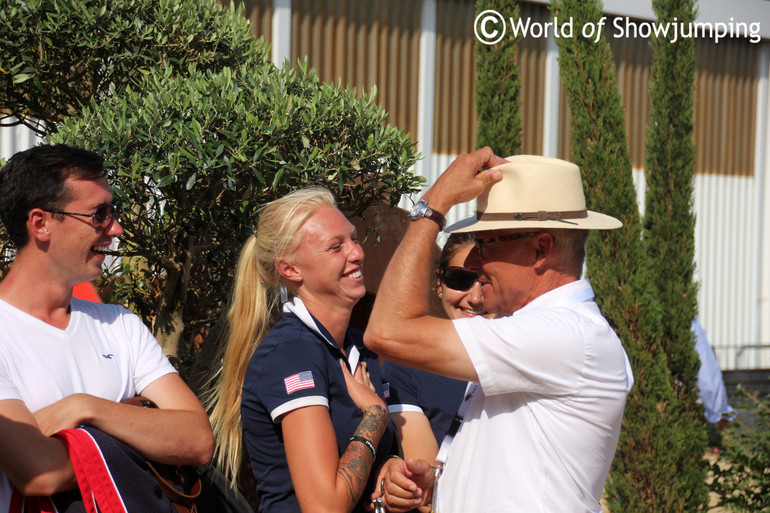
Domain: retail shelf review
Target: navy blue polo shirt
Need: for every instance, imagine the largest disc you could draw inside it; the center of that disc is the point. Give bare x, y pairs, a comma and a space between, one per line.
295, 367
409, 389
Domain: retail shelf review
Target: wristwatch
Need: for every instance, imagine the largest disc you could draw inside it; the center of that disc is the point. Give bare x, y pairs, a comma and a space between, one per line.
421, 209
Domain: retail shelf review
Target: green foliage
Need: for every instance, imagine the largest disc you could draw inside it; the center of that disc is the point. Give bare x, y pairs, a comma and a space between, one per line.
742, 472
194, 157
669, 245
58, 54
498, 87
669, 222
657, 467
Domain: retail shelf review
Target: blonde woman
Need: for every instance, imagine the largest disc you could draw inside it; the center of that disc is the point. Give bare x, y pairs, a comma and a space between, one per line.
313, 431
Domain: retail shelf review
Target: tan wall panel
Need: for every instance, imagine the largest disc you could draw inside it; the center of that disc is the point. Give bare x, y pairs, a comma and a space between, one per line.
454, 114
260, 14
362, 44
725, 103
531, 57
725, 111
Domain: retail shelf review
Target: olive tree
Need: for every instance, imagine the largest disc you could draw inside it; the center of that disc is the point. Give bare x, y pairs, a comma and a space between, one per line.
57, 55
193, 157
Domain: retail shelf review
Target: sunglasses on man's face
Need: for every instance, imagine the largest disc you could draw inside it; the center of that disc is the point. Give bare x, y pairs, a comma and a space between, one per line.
100, 218
458, 278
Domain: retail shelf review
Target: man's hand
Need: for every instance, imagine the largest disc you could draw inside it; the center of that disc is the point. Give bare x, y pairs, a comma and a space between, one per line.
66, 413
404, 485
465, 179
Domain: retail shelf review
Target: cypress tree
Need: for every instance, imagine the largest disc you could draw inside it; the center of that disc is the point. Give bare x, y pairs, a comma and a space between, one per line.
498, 120
669, 246
645, 464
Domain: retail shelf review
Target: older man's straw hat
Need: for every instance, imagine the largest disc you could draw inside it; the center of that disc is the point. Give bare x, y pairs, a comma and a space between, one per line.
535, 192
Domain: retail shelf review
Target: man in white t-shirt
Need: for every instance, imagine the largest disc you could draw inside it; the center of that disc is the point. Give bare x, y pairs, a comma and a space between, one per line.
65, 362
541, 428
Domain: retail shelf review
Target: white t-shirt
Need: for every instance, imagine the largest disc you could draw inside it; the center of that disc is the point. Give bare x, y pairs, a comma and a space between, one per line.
540, 434
105, 351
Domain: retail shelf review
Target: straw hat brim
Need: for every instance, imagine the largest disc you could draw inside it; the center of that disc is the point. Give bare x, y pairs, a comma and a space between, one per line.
593, 221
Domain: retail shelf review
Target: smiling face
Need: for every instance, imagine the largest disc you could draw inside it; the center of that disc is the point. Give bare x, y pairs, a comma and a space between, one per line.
77, 248
505, 259
459, 303
328, 263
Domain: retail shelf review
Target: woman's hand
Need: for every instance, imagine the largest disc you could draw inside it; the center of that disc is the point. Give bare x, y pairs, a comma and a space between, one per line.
360, 387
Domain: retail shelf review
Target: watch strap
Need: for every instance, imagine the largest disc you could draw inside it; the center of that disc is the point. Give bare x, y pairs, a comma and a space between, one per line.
422, 209
438, 217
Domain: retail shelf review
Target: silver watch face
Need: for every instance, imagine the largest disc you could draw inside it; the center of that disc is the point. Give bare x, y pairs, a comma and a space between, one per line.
419, 209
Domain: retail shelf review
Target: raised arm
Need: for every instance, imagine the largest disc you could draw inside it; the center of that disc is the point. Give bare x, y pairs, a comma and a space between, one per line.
400, 328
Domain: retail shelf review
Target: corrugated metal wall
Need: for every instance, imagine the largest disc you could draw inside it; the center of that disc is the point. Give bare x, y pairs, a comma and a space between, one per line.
260, 14
454, 116
727, 239
726, 109
363, 44
17, 138
531, 60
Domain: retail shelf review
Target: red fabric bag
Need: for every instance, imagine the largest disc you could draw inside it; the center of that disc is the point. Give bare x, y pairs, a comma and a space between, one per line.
111, 476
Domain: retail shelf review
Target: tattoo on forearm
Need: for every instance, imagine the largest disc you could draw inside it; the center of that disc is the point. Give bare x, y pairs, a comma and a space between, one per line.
357, 460
373, 424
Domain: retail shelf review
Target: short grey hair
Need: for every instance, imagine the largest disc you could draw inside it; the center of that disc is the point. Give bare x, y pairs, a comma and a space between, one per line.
571, 244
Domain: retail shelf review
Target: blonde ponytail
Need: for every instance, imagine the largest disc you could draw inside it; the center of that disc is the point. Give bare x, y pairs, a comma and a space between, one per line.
255, 302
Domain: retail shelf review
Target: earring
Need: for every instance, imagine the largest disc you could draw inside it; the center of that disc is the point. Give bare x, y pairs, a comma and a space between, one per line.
440, 294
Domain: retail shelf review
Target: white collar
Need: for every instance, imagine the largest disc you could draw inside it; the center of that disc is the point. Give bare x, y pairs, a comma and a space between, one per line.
573, 292
298, 308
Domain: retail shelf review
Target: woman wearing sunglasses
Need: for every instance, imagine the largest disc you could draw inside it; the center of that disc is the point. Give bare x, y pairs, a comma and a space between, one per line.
420, 403
313, 431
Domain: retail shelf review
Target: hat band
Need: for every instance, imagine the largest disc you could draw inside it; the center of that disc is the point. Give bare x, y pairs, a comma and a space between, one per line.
540, 215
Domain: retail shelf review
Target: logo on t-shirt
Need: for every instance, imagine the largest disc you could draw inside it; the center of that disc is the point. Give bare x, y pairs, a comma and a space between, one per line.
299, 381
108, 356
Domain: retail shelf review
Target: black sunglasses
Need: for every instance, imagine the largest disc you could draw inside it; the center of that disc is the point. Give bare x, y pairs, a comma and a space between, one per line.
458, 278
100, 218
482, 242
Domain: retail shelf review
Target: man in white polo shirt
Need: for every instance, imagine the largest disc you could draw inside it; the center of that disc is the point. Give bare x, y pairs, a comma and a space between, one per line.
540, 430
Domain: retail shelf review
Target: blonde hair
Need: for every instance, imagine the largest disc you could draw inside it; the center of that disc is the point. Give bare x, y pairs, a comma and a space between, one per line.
255, 301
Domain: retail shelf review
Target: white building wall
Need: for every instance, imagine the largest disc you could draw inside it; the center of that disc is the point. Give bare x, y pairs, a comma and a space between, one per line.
16, 138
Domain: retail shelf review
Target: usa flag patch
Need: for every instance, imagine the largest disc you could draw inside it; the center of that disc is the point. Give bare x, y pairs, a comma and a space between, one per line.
299, 381
386, 390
